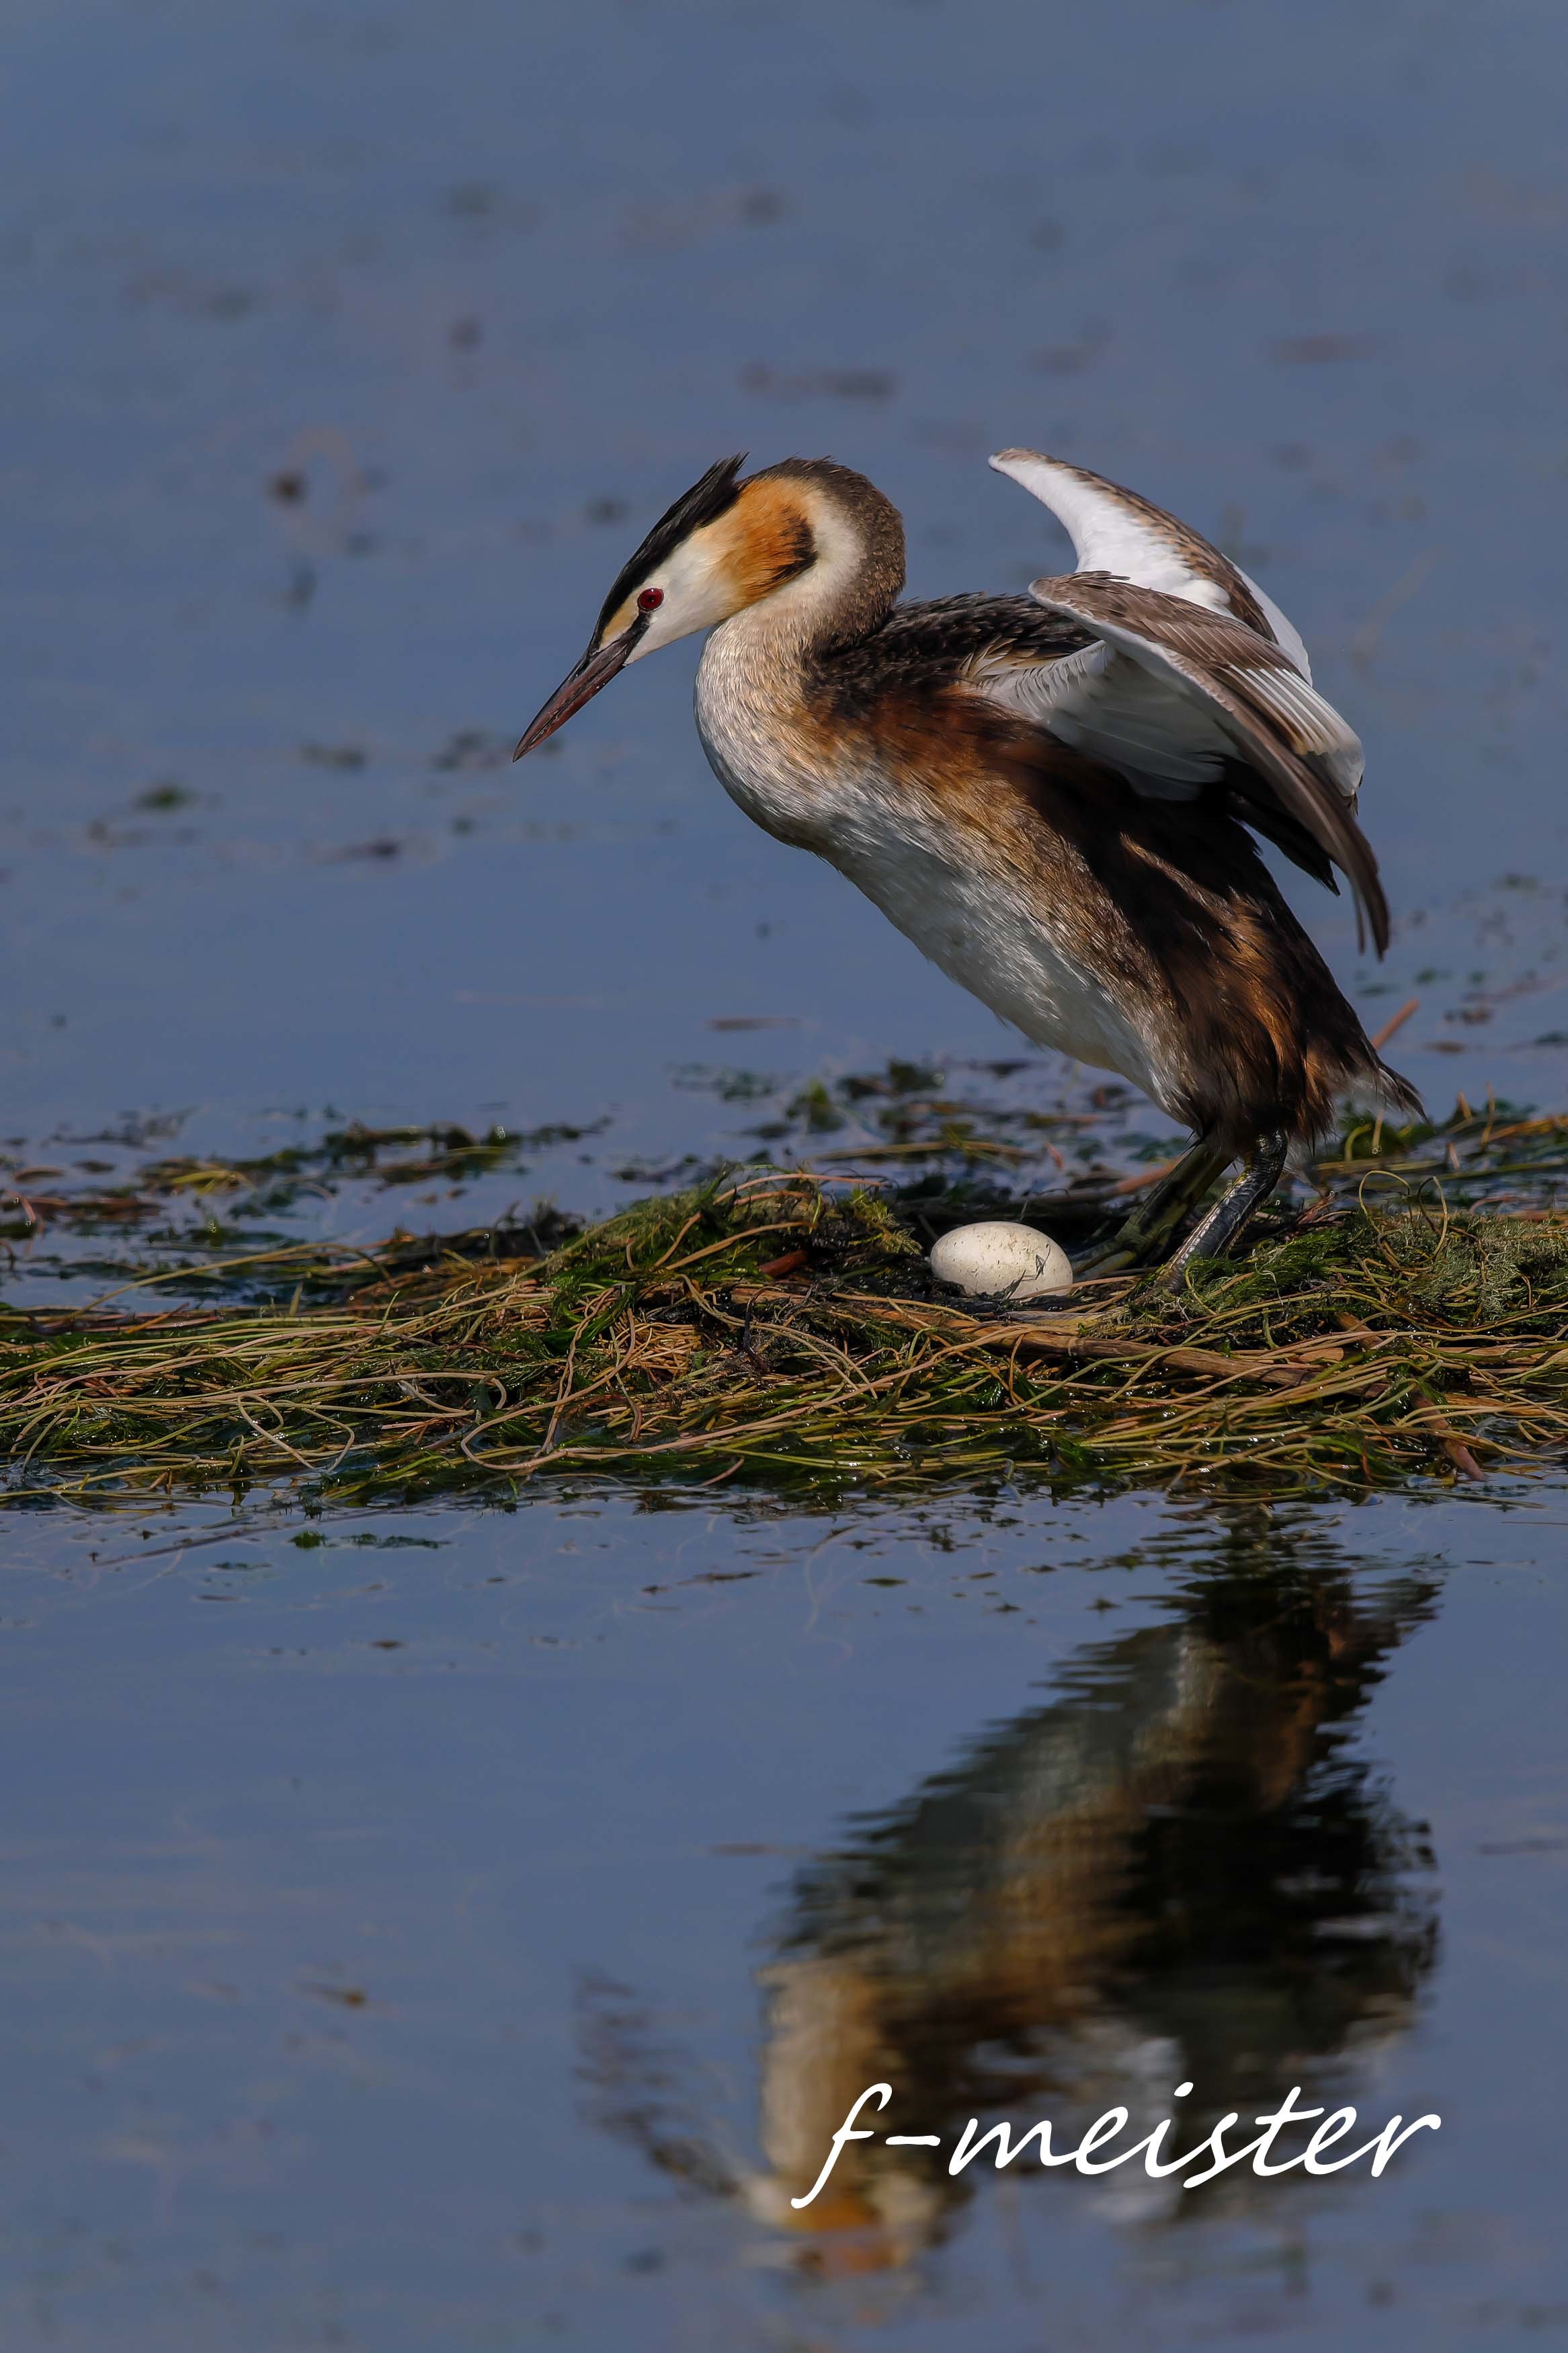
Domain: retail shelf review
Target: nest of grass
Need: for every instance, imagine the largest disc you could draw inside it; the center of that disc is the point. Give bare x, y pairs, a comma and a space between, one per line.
779, 1327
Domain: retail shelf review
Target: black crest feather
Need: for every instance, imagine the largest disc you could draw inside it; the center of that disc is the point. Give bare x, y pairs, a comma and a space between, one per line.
705, 501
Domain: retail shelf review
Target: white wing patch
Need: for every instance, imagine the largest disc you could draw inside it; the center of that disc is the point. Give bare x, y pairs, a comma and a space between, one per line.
1119, 705
1108, 534
1111, 707
1113, 531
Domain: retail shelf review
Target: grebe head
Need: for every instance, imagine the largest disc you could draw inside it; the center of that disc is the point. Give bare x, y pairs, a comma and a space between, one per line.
816, 541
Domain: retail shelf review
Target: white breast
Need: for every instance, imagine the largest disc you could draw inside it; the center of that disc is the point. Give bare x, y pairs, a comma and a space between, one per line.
989, 937
984, 931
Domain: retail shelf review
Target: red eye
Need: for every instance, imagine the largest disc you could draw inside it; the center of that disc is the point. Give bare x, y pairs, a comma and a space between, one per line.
649, 598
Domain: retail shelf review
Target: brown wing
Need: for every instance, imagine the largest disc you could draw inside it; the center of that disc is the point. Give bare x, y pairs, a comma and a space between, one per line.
1291, 740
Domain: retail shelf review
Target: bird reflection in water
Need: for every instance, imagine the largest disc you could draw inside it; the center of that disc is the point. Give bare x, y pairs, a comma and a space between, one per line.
1173, 1869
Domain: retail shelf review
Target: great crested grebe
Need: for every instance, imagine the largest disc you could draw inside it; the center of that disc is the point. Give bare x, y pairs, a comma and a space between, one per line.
1050, 795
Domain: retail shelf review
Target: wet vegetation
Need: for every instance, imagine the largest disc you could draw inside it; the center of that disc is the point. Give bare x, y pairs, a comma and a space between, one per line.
1402, 1312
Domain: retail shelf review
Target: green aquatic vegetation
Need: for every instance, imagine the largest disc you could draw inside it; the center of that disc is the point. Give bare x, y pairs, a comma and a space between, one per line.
779, 1326
1402, 1313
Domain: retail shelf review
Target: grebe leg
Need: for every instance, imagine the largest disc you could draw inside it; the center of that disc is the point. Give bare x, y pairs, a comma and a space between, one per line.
1223, 1225
1147, 1233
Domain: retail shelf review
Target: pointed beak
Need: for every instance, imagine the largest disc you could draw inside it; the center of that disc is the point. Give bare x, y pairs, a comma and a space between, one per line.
595, 669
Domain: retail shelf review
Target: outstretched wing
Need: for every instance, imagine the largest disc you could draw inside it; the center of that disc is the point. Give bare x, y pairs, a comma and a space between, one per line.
1251, 695
1146, 723
1115, 530
1191, 675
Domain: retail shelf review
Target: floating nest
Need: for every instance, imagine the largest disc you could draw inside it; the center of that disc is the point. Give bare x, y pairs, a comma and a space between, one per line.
779, 1326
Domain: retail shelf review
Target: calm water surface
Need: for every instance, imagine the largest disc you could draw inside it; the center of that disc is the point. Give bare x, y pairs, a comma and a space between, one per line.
457, 1927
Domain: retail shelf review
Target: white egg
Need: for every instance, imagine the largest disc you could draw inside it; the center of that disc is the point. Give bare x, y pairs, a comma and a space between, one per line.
987, 1260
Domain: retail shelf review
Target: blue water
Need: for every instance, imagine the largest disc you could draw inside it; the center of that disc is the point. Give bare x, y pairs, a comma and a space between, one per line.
381, 1915
415, 1937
